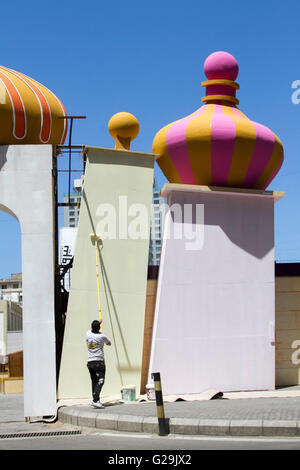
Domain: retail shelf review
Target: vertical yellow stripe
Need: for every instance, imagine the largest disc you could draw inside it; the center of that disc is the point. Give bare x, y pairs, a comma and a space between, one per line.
198, 136
33, 108
273, 164
164, 160
160, 412
243, 147
242, 114
57, 109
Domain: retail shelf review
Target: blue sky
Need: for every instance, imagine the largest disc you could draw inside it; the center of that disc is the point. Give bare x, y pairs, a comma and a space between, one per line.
147, 58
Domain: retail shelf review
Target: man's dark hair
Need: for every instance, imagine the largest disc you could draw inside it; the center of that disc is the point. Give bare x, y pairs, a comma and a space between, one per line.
95, 326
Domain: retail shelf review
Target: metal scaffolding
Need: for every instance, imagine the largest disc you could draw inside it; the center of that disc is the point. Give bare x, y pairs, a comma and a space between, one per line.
63, 154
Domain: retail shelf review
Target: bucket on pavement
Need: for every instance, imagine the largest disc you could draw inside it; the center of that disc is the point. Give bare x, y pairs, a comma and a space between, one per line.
150, 391
128, 393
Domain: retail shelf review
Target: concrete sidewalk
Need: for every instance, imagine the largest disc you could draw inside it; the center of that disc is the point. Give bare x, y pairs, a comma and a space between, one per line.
219, 417
12, 421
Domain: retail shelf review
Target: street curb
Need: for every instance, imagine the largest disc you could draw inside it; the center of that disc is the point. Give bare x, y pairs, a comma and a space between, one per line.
186, 426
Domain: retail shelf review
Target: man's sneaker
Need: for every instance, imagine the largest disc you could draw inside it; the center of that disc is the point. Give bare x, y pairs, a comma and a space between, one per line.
97, 404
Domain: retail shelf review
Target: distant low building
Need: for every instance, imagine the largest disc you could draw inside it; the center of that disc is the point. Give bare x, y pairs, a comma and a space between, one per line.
11, 289
11, 326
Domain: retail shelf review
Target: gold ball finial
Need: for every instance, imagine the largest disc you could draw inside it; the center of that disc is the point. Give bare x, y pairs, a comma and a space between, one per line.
123, 127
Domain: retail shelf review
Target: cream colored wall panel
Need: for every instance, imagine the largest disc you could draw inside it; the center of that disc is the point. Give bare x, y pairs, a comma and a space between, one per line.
287, 330
285, 339
110, 175
288, 301
286, 320
287, 377
297, 314
287, 284
284, 355
284, 359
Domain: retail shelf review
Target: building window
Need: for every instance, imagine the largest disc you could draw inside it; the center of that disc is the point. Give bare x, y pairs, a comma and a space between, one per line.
4, 286
15, 286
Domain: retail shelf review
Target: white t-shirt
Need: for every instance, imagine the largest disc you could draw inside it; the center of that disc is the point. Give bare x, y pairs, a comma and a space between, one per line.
95, 343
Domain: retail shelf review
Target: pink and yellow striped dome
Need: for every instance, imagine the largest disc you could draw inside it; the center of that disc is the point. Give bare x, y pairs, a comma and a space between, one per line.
29, 112
218, 145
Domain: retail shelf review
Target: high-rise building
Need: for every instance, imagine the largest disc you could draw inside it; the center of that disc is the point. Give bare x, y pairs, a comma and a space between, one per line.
71, 216
156, 231
71, 213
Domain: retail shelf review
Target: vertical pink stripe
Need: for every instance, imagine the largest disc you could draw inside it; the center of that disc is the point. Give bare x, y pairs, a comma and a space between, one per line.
177, 148
262, 153
223, 133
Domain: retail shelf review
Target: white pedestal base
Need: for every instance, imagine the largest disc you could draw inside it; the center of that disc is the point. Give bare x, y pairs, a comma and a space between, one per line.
214, 318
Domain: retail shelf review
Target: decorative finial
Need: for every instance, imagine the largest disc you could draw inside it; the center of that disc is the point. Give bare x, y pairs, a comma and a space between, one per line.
217, 145
123, 127
221, 69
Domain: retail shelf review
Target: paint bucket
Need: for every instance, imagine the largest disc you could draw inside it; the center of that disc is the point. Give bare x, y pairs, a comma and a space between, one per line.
150, 390
128, 393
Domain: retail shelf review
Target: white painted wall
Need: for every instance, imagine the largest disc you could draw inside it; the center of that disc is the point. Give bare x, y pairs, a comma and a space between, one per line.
3, 334
214, 318
26, 193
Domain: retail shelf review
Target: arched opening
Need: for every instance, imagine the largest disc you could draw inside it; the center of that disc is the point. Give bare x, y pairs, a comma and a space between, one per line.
26, 192
11, 304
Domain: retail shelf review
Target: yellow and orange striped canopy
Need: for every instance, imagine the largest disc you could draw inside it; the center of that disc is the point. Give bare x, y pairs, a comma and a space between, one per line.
29, 112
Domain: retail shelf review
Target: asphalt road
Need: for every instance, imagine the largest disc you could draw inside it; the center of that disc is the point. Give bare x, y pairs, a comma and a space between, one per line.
114, 442
12, 422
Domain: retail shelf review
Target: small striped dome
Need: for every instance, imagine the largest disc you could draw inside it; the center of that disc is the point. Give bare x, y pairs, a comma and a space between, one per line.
218, 145
29, 112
